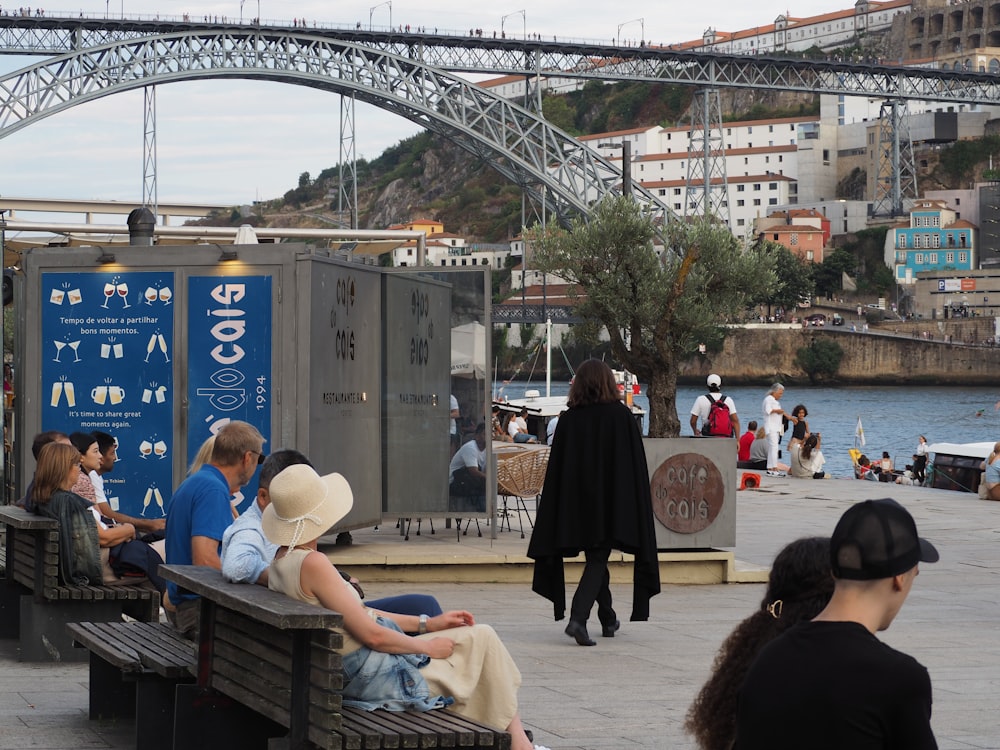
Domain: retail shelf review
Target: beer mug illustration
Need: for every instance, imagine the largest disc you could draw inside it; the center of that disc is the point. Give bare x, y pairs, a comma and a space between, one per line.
57, 388
70, 390
116, 394
99, 394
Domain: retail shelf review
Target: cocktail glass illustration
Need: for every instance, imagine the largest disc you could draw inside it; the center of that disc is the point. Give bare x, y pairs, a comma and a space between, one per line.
160, 448
60, 345
75, 346
145, 448
150, 295
109, 292
123, 293
166, 295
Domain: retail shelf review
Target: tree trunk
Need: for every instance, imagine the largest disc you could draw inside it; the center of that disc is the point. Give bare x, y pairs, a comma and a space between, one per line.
662, 394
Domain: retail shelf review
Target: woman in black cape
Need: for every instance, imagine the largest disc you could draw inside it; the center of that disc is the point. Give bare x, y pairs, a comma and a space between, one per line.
595, 498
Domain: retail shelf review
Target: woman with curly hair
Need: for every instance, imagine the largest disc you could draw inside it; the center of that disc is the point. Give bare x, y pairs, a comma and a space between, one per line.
799, 586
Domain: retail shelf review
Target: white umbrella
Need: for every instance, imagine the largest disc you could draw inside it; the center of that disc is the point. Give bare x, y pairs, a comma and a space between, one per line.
468, 351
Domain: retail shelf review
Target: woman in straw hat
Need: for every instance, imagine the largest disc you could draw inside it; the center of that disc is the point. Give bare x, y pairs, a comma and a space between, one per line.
453, 662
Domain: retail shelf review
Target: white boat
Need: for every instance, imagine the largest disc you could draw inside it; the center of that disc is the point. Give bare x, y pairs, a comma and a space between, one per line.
957, 466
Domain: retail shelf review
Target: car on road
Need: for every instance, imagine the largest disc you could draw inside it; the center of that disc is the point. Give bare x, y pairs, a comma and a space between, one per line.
838, 319
816, 319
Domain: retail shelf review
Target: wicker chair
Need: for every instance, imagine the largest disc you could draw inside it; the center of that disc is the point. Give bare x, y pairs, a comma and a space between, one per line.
521, 476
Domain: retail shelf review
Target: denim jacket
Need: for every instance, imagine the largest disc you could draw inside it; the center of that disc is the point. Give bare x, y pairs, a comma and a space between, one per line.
79, 547
373, 679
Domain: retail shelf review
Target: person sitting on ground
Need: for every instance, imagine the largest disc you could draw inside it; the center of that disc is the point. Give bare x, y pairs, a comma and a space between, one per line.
807, 459
758, 452
454, 662
108, 448
517, 428
743, 451
247, 554
798, 588
992, 478
864, 469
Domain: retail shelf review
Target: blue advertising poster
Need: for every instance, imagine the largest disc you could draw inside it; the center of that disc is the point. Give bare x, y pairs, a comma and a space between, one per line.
107, 366
229, 359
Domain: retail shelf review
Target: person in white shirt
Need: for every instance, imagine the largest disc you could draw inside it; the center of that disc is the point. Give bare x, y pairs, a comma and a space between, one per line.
703, 407
773, 427
108, 447
550, 428
517, 428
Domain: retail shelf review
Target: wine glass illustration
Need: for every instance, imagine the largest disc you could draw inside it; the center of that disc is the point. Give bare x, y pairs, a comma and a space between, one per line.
163, 346
123, 293
146, 499
75, 345
150, 295
159, 499
60, 345
160, 448
109, 292
166, 295
145, 448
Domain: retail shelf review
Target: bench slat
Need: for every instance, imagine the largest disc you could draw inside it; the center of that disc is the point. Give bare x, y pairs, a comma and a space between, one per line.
99, 640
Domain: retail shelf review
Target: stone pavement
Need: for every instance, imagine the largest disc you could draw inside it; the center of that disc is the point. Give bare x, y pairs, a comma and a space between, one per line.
633, 691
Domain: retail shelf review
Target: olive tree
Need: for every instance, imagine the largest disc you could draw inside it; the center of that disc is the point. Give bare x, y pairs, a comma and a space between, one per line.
656, 307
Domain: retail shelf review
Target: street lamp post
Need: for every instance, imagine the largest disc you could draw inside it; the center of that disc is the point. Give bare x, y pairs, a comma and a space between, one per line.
524, 19
642, 26
371, 12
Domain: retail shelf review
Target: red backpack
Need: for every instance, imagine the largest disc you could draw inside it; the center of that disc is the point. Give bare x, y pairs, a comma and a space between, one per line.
718, 423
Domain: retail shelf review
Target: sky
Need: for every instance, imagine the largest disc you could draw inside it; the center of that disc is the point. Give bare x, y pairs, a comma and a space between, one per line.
232, 142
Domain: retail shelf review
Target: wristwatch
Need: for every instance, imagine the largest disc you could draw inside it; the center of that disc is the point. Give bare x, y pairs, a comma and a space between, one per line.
423, 624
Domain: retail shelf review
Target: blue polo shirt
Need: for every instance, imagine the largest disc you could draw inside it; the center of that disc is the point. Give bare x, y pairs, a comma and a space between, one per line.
199, 507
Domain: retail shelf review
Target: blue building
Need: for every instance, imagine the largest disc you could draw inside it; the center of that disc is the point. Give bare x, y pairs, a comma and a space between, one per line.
934, 240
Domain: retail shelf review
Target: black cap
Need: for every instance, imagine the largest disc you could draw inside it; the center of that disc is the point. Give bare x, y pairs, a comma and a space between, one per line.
877, 539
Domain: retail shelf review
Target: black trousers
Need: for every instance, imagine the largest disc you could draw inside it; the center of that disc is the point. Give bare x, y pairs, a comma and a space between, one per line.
594, 587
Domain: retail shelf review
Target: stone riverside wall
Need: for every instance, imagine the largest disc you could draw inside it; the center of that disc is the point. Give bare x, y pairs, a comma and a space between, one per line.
760, 355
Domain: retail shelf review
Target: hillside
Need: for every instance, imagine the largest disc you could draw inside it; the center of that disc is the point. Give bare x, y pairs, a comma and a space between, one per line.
428, 177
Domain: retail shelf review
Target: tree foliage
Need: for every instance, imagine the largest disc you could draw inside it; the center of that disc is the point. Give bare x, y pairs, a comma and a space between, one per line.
656, 308
829, 274
821, 359
794, 278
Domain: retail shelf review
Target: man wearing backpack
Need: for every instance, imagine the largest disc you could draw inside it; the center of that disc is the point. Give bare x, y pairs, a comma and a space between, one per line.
716, 412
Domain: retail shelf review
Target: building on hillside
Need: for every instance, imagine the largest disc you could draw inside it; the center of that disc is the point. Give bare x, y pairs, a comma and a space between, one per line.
951, 294
844, 217
933, 240
989, 225
805, 232
447, 249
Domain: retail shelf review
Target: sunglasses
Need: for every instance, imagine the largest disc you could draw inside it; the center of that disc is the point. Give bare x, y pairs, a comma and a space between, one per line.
260, 457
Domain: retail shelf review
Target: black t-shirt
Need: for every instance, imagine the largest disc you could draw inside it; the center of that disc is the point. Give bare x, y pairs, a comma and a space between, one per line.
834, 686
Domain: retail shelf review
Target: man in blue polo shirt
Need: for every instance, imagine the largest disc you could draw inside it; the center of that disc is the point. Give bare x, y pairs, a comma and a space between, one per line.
199, 513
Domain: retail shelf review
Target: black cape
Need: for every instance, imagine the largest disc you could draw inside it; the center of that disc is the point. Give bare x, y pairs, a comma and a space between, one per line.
596, 494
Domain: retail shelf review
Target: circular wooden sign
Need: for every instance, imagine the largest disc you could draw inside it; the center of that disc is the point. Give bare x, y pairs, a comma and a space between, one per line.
687, 493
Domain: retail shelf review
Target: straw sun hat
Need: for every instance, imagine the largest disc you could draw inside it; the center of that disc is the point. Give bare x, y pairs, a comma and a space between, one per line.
304, 505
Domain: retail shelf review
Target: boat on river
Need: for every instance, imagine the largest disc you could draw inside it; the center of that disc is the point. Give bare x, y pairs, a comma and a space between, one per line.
958, 466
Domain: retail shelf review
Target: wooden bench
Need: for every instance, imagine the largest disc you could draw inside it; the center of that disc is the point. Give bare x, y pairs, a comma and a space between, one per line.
268, 668
36, 606
134, 668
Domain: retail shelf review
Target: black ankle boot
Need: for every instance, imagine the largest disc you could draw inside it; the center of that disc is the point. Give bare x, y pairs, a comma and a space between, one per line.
608, 631
578, 631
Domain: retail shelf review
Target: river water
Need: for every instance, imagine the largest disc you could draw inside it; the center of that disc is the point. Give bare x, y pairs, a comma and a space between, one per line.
892, 417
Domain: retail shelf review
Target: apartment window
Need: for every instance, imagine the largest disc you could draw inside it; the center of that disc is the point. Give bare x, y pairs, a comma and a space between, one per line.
642, 167
741, 222
740, 188
781, 158
746, 160
749, 129
772, 186
794, 239
932, 258
772, 201
677, 207
901, 257
677, 191
961, 240
902, 240
935, 240
740, 203
826, 156
661, 191
963, 257
918, 241
767, 159
770, 128
958, 201
918, 258
756, 187
756, 201
949, 257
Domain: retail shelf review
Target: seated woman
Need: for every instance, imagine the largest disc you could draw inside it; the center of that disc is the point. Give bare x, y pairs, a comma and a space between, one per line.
992, 478
863, 469
85, 542
800, 428
807, 459
453, 662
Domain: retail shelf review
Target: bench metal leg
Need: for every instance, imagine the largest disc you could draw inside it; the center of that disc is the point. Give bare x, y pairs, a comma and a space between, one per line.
111, 697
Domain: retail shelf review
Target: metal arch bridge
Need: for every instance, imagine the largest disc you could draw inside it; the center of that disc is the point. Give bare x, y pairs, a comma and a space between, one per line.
571, 59
547, 163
